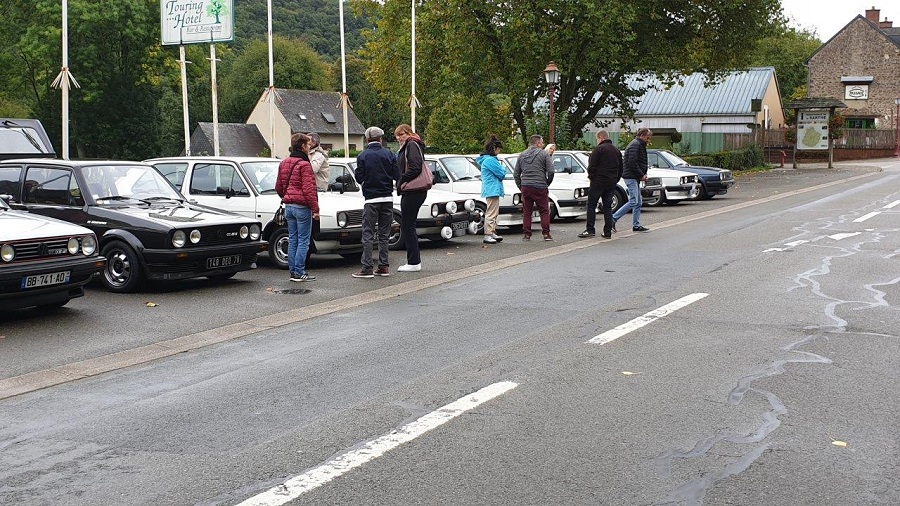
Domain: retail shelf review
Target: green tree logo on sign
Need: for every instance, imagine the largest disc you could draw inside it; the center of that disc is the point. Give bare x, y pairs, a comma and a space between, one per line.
217, 8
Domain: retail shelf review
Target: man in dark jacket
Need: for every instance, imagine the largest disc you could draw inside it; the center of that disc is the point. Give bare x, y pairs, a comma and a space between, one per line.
376, 170
604, 170
534, 173
634, 171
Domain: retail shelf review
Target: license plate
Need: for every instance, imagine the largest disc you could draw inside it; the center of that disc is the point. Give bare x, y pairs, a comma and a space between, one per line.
219, 262
459, 225
54, 278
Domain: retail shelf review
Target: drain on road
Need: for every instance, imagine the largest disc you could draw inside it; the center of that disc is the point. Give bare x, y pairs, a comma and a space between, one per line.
291, 291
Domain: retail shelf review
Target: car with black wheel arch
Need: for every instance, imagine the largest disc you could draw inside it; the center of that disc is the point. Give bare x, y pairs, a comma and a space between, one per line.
713, 180
246, 186
568, 196
146, 231
44, 262
460, 174
443, 215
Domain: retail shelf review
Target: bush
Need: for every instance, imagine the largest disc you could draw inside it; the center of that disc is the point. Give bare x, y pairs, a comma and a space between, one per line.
731, 160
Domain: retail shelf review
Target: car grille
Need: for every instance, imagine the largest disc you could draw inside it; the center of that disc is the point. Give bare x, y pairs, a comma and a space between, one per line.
41, 249
223, 234
354, 218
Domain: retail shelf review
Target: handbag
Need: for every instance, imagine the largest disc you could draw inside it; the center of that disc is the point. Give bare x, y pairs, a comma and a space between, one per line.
424, 181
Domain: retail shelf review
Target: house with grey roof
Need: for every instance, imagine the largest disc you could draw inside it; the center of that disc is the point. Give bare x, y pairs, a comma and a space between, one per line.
709, 118
235, 139
306, 111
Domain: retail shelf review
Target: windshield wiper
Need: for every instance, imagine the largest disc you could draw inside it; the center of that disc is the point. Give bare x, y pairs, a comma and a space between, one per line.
120, 197
172, 199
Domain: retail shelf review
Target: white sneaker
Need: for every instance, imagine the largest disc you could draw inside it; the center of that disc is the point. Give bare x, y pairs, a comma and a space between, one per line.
489, 239
409, 268
496, 237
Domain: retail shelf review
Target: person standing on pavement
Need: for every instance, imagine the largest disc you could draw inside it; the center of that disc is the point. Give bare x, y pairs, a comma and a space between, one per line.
411, 159
604, 170
534, 173
377, 171
296, 185
634, 171
492, 175
318, 158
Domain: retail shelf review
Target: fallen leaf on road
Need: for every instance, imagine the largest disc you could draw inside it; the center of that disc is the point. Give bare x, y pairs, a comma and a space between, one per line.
842, 444
152, 304
270, 289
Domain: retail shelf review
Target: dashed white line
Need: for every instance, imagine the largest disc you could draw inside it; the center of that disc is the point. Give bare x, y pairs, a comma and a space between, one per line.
866, 216
838, 237
325, 472
787, 246
892, 205
621, 330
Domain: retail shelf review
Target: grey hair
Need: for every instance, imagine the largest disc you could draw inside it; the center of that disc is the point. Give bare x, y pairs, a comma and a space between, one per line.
535, 138
315, 138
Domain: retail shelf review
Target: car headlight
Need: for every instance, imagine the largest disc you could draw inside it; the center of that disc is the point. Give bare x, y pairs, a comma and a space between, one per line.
245, 231
451, 207
342, 219
435, 210
580, 192
470, 205
179, 238
7, 252
88, 245
254, 232
517, 199
684, 180
73, 246
195, 236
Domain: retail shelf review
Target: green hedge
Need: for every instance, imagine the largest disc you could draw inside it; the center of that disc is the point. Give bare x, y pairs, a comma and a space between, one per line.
732, 160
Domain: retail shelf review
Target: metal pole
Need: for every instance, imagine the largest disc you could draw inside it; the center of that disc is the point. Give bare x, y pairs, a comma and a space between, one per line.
345, 99
796, 135
65, 87
412, 98
552, 126
184, 101
215, 98
897, 128
830, 142
271, 90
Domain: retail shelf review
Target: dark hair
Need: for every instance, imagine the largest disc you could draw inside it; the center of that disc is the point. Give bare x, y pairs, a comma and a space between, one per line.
316, 140
298, 140
492, 144
535, 138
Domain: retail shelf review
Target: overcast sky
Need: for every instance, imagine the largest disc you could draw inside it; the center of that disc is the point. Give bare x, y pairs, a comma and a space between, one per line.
829, 16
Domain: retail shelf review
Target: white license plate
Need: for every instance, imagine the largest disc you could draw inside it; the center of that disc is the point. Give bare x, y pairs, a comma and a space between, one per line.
459, 225
54, 278
219, 262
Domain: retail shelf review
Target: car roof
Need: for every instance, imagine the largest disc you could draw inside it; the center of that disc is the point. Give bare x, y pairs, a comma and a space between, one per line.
72, 163
238, 159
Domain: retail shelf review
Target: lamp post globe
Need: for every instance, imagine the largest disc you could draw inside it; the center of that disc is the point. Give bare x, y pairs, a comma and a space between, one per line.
551, 75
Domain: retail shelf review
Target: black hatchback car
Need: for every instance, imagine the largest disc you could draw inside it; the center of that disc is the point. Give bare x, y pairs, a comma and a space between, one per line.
713, 180
145, 228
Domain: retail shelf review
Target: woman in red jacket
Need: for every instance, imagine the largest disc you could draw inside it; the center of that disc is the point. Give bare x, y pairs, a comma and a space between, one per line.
296, 185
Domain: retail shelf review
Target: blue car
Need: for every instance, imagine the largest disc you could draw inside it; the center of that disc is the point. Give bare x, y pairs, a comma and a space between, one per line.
713, 181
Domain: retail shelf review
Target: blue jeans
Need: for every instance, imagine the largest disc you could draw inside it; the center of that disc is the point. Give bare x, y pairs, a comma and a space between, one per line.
633, 204
299, 222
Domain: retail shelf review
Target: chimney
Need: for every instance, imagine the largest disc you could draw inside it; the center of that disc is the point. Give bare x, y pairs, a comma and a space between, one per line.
886, 23
873, 14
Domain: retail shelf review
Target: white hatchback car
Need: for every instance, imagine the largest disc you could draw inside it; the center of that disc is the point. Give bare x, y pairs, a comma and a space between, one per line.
246, 186
443, 215
568, 196
460, 174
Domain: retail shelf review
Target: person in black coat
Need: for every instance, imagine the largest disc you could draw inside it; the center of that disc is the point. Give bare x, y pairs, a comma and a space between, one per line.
376, 170
604, 170
410, 158
634, 171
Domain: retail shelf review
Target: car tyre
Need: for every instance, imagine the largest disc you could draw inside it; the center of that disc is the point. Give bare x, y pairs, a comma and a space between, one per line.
482, 209
396, 242
278, 248
662, 200
122, 273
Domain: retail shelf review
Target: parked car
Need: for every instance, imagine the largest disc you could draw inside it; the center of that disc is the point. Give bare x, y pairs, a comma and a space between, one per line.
460, 174
713, 181
24, 138
43, 262
145, 229
568, 196
573, 165
246, 186
443, 215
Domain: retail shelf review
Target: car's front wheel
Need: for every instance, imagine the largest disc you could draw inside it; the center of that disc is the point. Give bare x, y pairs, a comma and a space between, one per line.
482, 210
123, 268
278, 248
395, 240
660, 201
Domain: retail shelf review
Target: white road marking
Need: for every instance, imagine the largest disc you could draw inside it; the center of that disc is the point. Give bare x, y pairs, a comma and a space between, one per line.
327, 471
838, 237
621, 330
892, 205
787, 246
866, 216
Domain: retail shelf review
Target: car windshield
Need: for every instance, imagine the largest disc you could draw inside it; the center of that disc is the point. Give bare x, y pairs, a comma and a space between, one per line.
582, 158
119, 182
262, 174
461, 168
673, 159
21, 141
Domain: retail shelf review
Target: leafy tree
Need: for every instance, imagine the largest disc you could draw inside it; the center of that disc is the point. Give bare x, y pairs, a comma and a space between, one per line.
462, 124
216, 8
787, 50
369, 105
480, 47
297, 66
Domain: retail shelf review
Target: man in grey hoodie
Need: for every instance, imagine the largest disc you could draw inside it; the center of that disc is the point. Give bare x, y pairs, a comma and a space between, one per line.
534, 173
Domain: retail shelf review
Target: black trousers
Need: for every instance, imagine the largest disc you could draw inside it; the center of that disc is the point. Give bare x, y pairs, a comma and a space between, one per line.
604, 195
409, 210
378, 217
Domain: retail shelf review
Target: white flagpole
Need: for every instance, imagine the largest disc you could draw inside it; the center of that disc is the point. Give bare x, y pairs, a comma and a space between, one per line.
184, 100
413, 102
65, 79
270, 93
345, 99
215, 96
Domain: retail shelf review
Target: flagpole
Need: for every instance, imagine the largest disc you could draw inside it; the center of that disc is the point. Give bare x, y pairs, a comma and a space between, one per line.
215, 95
413, 102
345, 99
65, 79
184, 100
270, 92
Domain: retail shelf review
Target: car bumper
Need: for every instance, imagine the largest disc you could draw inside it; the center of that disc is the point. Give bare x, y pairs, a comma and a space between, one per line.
651, 195
458, 223
173, 264
576, 208
13, 296
682, 192
718, 187
510, 216
339, 241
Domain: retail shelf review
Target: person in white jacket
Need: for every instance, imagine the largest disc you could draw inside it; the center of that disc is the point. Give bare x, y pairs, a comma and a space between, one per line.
318, 158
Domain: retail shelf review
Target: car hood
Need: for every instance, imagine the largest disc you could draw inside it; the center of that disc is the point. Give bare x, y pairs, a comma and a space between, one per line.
172, 215
700, 170
20, 225
656, 172
438, 196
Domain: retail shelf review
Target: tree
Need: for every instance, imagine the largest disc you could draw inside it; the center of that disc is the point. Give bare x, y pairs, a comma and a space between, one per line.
787, 50
217, 8
297, 66
370, 106
462, 124
480, 47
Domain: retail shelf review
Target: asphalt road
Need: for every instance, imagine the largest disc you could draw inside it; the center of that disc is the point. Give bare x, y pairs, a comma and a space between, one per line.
772, 386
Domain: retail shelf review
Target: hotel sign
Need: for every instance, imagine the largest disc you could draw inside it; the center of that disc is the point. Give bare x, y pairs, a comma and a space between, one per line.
856, 92
196, 21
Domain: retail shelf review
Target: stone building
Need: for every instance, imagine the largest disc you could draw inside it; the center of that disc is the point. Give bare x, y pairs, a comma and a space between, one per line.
860, 66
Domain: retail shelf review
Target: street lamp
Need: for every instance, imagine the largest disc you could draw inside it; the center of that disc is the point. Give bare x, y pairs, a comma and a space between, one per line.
551, 74
897, 127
